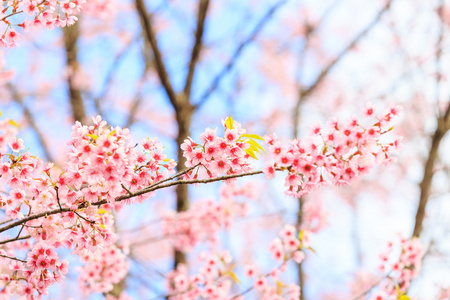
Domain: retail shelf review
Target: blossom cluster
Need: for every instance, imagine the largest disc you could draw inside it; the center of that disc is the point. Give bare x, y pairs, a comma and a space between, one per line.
104, 170
42, 269
337, 154
229, 154
284, 248
102, 269
47, 14
213, 280
205, 218
217, 273
102, 163
105, 164
401, 268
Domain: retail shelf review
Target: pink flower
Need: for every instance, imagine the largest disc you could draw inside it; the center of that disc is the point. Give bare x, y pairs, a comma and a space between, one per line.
231, 135
269, 170
298, 256
16, 145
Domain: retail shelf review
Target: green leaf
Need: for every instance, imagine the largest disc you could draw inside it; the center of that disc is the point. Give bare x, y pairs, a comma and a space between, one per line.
252, 136
229, 122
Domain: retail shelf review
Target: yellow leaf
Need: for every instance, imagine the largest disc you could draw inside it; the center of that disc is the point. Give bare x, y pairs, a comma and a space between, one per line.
252, 136
234, 277
112, 133
255, 144
1, 113
93, 136
167, 160
229, 122
13, 123
254, 149
404, 297
280, 286
250, 152
101, 211
314, 251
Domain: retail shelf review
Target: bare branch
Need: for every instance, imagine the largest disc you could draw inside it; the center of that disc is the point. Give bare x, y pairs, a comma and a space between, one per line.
304, 93
443, 125
15, 239
428, 173
31, 121
215, 84
159, 64
13, 258
202, 11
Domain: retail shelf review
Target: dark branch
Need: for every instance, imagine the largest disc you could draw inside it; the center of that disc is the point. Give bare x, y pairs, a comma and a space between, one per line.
159, 63
216, 82
443, 125
13, 258
124, 197
202, 11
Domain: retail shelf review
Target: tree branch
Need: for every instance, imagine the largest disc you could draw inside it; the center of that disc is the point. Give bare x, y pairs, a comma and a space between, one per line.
31, 121
425, 186
201, 16
159, 64
15, 239
443, 125
13, 258
143, 191
304, 93
215, 84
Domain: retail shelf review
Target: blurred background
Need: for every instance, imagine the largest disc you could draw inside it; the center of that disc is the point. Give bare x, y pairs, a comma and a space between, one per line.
171, 68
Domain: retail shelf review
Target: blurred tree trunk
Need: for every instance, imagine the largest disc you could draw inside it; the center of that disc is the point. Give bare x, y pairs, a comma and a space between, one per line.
71, 35
180, 101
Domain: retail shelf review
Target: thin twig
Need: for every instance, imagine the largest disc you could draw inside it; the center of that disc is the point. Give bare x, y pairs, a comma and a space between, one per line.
57, 196
13, 258
19, 12
89, 221
15, 239
126, 189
